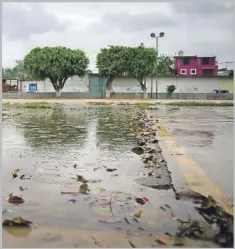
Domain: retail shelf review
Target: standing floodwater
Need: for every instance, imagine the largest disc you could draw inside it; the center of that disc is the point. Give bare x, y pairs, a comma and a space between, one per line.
55, 150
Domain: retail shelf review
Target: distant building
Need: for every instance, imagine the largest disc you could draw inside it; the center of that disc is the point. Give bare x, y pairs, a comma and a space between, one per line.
225, 72
195, 65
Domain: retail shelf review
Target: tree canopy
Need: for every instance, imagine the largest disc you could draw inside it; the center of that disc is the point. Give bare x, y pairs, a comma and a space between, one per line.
16, 72
112, 62
165, 66
57, 64
141, 64
9, 73
137, 62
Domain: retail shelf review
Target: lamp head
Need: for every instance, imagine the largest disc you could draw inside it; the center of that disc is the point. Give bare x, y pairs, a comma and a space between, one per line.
161, 34
152, 35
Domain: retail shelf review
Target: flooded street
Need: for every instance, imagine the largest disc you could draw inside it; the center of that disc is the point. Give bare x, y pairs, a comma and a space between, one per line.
206, 135
56, 149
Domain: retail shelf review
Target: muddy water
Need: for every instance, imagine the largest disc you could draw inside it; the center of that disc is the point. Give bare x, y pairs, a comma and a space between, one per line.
206, 135
52, 147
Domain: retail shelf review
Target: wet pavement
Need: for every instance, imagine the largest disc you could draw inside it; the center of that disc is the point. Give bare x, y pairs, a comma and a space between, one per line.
52, 147
206, 135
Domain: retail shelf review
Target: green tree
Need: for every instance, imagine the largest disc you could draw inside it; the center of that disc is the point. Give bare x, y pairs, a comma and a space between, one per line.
165, 66
57, 64
17, 72
9, 73
111, 63
141, 64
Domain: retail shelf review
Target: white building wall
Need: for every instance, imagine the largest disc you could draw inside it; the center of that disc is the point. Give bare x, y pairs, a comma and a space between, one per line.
25, 85
74, 84
127, 84
183, 85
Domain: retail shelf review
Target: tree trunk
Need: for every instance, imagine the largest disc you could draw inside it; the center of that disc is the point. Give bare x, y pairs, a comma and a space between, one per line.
145, 94
108, 89
144, 89
58, 93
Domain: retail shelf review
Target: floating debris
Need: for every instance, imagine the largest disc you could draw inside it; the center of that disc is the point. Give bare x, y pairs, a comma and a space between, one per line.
13, 199
14, 173
142, 200
138, 213
111, 170
127, 221
84, 188
138, 150
17, 222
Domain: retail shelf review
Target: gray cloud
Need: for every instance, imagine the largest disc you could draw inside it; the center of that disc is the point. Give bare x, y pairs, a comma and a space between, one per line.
126, 22
195, 27
206, 7
21, 21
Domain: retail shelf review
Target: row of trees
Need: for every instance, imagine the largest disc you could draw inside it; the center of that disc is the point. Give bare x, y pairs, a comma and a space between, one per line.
59, 63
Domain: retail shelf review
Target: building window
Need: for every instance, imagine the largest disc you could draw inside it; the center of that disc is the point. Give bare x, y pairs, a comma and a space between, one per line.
205, 60
186, 61
193, 71
183, 71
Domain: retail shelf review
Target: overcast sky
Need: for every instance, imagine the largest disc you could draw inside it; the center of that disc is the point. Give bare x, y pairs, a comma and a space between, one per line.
204, 28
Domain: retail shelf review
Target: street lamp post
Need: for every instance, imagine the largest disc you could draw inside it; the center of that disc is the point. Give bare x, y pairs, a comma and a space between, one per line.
160, 35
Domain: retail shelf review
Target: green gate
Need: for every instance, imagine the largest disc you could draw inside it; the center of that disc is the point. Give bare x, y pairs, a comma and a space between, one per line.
97, 84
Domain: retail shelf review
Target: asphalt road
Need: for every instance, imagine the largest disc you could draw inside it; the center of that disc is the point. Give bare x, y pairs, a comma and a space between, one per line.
205, 134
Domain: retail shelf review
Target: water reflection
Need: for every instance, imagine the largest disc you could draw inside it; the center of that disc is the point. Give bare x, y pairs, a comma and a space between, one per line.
19, 232
114, 129
59, 127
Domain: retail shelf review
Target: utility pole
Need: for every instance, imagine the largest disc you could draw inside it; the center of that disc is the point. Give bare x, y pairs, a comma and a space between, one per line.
160, 35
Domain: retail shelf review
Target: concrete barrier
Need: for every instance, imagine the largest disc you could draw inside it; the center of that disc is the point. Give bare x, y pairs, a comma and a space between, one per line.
183, 96
98, 95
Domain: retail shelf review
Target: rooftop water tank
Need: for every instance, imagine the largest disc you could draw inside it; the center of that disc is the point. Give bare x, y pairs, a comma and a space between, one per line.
181, 53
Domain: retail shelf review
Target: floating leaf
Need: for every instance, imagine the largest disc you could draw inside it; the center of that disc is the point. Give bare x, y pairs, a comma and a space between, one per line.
17, 221
173, 217
135, 219
131, 244
83, 188
127, 221
111, 169
138, 213
142, 200
14, 173
163, 208
168, 206
15, 199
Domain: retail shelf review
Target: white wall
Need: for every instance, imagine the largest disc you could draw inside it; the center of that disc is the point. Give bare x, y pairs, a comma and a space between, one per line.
74, 84
127, 84
183, 85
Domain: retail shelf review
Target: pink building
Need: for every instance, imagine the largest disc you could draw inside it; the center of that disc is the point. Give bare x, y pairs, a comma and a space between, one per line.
195, 66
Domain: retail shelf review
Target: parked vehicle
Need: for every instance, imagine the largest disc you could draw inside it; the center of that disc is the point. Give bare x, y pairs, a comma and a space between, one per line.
220, 91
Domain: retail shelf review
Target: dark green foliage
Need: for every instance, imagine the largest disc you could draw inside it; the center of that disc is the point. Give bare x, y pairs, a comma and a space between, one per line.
170, 89
56, 64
